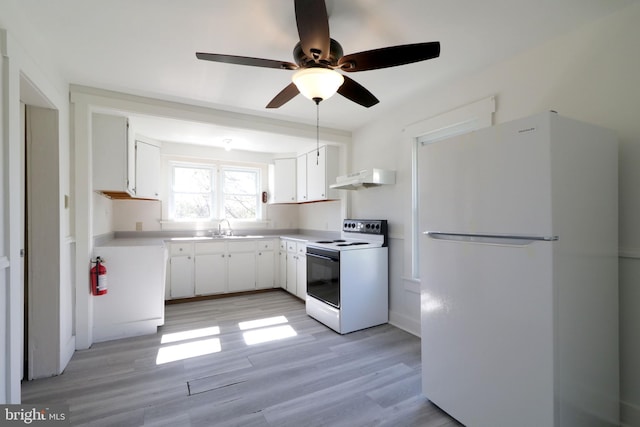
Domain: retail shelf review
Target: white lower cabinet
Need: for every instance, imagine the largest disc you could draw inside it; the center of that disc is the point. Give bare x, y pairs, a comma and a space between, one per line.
241, 263
181, 270
210, 268
292, 266
282, 264
207, 268
296, 268
266, 262
301, 271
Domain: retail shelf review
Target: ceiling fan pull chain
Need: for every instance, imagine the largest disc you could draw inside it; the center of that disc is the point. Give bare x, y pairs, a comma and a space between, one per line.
317, 131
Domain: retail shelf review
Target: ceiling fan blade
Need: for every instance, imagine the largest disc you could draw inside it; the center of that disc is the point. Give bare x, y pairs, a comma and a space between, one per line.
313, 27
389, 56
285, 95
357, 93
246, 60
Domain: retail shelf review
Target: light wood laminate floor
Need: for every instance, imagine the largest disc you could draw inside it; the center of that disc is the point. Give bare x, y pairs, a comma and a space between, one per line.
302, 374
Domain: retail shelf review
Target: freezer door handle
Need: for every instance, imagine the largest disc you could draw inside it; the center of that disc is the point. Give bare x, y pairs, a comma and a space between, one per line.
495, 239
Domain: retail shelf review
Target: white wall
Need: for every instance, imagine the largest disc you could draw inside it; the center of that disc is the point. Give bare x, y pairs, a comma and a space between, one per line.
23, 79
321, 216
127, 214
591, 74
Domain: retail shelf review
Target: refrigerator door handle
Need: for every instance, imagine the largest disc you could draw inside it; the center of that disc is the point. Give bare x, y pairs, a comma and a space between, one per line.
495, 239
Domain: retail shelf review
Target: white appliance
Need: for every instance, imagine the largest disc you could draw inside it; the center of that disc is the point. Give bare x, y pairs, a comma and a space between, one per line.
347, 278
519, 280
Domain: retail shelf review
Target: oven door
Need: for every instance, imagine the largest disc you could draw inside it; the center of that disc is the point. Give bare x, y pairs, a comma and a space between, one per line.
323, 275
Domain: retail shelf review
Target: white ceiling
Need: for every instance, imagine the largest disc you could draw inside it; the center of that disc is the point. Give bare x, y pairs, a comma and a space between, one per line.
147, 47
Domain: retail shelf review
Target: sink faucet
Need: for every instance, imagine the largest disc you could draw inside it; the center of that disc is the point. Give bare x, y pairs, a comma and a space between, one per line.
229, 232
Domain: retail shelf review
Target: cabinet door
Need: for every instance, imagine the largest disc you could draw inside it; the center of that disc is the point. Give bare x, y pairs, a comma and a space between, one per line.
316, 174
301, 272
301, 172
292, 275
110, 152
284, 177
266, 267
242, 271
322, 171
210, 274
181, 274
282, 269
282, 266
147, 170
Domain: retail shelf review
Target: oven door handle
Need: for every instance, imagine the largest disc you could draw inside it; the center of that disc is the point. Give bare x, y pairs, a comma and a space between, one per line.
323, 257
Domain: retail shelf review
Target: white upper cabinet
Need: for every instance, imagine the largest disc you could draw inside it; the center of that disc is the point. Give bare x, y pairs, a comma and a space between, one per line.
302, 178
322, 170
147, 170
110, 146
284, 181
122, 167
306, 178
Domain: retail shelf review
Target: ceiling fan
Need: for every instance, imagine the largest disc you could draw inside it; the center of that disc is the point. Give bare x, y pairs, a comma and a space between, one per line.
317, 55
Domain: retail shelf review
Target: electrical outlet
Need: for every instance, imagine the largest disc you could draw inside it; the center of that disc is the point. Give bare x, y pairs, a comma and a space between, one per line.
138, 226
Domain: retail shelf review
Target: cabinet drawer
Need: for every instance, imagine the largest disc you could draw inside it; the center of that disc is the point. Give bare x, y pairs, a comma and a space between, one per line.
266, 245
242, 246
291, 246
181, 249
210, 247
283, 245
301, 248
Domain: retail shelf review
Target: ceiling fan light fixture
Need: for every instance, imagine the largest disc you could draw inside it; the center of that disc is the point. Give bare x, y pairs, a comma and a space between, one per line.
317, 83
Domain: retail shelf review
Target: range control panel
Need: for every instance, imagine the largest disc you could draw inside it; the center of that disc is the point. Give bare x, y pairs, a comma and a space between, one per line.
365, 226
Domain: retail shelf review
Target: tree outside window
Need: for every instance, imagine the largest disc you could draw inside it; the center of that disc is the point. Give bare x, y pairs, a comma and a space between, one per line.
240, 193
193, 193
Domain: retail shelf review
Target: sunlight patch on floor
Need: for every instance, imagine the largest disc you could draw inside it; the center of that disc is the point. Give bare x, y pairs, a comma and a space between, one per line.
200, 342
268, 334
260, 323
188, 350
190, 334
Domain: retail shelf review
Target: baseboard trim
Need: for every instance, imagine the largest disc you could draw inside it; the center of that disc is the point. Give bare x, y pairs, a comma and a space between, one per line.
218, 296
405, 323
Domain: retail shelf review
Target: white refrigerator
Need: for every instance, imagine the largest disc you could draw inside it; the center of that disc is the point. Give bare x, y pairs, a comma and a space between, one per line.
519, 274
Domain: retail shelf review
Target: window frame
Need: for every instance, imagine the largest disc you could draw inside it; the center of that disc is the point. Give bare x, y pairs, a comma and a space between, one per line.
212, 193
217, 194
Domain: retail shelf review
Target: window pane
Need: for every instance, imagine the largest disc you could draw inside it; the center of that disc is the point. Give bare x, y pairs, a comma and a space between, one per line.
192, 206
240, 188
191, 180
243, 207
240, 182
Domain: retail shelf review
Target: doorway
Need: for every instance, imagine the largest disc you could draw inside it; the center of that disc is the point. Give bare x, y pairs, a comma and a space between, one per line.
41, 225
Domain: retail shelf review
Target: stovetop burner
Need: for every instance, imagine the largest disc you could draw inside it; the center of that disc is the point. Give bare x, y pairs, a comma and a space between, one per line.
356, 234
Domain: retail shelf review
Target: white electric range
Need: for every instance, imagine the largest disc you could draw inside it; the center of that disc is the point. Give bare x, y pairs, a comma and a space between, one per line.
347, 278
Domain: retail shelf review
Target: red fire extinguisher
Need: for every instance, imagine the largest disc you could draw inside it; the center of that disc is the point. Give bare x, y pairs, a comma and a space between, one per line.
98, 274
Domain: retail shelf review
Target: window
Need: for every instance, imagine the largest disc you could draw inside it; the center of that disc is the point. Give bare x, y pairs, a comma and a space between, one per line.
240, 193
193, 194
200, 193
473, 116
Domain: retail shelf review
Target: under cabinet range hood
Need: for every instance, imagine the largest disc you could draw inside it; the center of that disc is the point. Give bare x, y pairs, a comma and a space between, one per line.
364, 179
